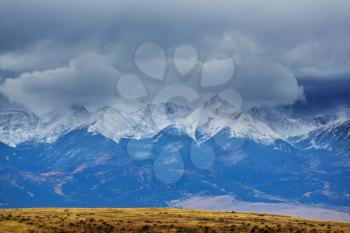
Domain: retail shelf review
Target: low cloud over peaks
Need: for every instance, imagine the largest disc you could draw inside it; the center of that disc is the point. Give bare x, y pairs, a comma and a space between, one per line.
88, 80
275, 45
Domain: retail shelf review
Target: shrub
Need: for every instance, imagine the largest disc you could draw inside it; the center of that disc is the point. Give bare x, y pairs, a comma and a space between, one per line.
145, 227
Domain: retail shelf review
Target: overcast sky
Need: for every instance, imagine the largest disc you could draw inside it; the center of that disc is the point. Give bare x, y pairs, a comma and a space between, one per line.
57, 53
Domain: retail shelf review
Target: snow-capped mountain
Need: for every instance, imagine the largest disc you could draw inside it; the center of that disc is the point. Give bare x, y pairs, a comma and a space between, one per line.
258, 124
76, 157
59, 122
17, 126
334, 137
113, 124
88, 169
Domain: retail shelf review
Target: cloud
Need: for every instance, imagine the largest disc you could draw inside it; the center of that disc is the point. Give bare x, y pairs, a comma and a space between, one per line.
289, 40
40, 56
88, 80
93, 81
265, 83
298, 33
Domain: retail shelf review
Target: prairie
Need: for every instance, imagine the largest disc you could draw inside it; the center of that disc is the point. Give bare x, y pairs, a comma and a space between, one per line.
155, 220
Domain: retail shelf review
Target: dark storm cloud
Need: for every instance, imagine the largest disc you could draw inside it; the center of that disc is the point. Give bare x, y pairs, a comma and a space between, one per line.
297, 33
302, 38
324, 95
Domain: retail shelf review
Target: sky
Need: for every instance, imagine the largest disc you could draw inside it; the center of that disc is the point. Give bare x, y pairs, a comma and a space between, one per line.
58, 53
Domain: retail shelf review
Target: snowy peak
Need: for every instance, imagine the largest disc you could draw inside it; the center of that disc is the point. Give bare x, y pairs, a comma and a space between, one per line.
16, 126
61, 121
218, 105
332, 136
15, 118
111, 123
260, 124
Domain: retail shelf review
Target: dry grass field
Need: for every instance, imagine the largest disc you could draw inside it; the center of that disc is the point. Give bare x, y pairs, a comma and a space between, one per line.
155, 220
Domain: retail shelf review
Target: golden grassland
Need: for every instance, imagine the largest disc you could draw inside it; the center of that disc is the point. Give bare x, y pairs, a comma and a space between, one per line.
155, 220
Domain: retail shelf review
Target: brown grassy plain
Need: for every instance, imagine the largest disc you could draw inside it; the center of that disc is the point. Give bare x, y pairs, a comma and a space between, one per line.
156, 220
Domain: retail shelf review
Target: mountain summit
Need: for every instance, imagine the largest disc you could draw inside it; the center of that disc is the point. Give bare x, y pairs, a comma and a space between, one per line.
258, 124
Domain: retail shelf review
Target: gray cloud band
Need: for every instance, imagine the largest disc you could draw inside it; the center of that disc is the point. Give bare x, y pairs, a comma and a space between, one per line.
150, 58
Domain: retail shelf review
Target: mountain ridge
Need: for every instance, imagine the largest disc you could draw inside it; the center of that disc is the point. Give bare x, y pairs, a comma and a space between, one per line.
259, 124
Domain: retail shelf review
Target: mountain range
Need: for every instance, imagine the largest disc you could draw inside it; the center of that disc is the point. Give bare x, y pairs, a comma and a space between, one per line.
165, 152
